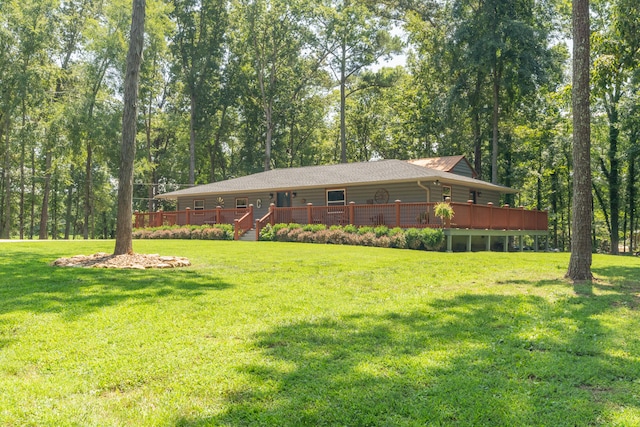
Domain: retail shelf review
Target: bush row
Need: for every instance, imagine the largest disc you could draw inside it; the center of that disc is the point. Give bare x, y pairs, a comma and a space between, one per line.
204, 232
381, 236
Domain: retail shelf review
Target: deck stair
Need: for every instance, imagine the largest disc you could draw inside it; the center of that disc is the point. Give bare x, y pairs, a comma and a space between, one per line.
249, 236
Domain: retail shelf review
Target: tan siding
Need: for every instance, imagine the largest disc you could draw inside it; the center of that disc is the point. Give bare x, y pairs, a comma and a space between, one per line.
408, 192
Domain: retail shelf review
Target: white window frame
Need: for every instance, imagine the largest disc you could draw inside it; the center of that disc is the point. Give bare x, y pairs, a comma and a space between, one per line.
337, 202
243, 201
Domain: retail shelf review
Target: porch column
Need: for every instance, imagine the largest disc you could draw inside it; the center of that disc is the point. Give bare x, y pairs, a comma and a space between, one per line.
535, 243
489, 243
469, 243
521, 242
506, 243
188, 215
449, 243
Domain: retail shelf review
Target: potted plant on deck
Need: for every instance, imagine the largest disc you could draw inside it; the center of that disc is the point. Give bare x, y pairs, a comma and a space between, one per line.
444, 211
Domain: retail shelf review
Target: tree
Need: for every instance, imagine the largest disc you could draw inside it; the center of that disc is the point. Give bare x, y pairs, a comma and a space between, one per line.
199, 48
355, 37
580, 261
124, 224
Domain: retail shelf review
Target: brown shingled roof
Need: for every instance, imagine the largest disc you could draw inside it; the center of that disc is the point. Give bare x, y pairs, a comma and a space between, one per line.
446, 163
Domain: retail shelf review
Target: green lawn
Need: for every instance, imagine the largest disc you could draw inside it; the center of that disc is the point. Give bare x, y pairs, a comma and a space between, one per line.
279, 334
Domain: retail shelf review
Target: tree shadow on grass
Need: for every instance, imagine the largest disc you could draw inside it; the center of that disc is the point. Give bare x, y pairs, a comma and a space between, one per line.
29, 283
466, 360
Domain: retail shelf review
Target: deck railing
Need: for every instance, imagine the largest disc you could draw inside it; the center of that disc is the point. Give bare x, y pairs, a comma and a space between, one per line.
398, 214
188, 216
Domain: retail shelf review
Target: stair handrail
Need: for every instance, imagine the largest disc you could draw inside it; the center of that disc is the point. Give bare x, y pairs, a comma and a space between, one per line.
243, 224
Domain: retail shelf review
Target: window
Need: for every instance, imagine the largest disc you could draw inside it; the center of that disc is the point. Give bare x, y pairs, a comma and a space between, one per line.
242, 203
336, 198
446, 193
198, 205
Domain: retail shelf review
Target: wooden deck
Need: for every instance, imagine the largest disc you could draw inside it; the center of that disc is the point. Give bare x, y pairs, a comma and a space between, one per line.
469, 219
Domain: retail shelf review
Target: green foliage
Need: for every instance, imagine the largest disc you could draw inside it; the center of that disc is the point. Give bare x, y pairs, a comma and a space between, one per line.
381, 236
195, 232
444, 211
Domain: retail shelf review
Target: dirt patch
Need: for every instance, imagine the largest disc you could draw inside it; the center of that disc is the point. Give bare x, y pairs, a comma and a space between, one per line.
128, 261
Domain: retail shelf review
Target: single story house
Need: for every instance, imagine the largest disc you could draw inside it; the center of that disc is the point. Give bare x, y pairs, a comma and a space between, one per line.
376, 182
412, 185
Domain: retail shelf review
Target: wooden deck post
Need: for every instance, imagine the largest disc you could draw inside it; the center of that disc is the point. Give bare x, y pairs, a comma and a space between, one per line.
397, 202
309, 213
352, 215
490, 204
159, 219
506, 206
218, 214
188, 215
252, 218
272, 211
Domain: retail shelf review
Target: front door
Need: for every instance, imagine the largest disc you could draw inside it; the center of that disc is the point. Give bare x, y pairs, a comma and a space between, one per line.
283, 199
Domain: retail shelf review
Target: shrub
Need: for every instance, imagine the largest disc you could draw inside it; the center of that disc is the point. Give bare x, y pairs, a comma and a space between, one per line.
365, 230
381, 230
282, 235
196, 233
383, 242
413, 238
266, 233
398, 240
395, 231
314, 228
350, 229
368, 239
432, 239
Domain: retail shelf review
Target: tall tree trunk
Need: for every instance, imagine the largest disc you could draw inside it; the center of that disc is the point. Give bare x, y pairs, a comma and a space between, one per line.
44, 213
495, 121
614, 180
580, 262
22, 180
33, 194
631, 190
213, 152
475, 125
150, 160
124, 225
6, 223
68, 217
192, 139
343, 105
54, 223
88, 186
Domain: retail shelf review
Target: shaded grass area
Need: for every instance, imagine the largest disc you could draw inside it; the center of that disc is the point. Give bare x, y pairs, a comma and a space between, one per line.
294, 334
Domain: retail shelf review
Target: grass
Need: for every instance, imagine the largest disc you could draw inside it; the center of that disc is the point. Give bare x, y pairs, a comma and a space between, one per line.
319, 335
